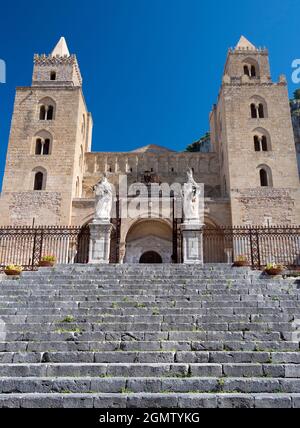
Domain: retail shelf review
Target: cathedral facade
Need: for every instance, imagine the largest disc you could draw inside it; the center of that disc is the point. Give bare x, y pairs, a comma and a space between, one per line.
250, 175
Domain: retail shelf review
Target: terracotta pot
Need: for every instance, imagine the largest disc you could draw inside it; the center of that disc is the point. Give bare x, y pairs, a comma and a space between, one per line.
274, 271
12, 272
46, 264
241, 264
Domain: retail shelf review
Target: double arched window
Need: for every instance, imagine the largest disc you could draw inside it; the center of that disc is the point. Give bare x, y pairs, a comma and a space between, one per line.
47, 109
262, 140
257, 111
251, 68
43, 143
258, 108
39, 179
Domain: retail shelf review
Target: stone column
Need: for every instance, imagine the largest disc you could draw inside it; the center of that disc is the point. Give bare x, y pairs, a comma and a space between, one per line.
100, 242
192, 243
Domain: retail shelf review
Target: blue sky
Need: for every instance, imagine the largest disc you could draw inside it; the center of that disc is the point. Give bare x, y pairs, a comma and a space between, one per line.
151, 68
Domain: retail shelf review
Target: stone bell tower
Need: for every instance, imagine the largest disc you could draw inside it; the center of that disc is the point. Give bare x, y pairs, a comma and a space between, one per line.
50, 133
252, 132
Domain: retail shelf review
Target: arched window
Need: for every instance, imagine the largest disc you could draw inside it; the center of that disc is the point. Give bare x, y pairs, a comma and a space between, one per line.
53, 75
38, 147
261, 143
261, 112
38, 181
264, 143
253, 111
262, 140
258, 108
50, 112
265, 176
43, 143
246, 70
46, 148
42, 113
251, 67
256, 143
47, 109
264, 182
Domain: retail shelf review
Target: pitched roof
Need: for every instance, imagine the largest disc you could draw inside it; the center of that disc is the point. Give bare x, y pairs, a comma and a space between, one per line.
61, 49
245, 44
152, 148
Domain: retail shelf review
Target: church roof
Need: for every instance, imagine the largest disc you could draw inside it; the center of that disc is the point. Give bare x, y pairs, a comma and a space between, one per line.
152, 148
245, 44
61, 49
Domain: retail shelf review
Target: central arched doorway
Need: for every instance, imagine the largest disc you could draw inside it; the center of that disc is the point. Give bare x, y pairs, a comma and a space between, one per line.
151, 257
149, 241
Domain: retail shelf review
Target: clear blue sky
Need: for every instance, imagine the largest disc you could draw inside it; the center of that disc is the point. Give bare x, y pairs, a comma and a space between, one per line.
151, 68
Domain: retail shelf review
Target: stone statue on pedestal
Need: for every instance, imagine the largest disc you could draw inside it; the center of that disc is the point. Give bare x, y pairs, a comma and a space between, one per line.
103, 201
191, 199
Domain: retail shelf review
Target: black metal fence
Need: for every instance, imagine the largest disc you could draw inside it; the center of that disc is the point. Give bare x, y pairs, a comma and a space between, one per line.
260, 245
26, 246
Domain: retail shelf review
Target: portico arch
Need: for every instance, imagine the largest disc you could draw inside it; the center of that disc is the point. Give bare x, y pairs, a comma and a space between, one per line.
149, 236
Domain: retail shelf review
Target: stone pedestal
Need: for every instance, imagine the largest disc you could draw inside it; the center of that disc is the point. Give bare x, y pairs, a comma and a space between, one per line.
100, 242
192, 243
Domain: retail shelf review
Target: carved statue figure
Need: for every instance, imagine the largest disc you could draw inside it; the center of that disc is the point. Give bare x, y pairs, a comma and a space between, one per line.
104, 200
191, 199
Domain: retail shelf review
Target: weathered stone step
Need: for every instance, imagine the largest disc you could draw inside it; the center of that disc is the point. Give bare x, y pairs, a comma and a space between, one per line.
142, 400
73, 346
181, 370
151, 318
89, 385
138, 356
279, 327
78, 334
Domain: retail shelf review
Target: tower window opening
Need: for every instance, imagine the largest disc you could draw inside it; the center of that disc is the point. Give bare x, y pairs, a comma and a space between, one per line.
53, 75
246, 70
38, 147
42, 113
253, 71
43, 146
46, 150
261, 144
261, 112
264, 144
256, 144
50, 112
253, 111
265, 178
38, 181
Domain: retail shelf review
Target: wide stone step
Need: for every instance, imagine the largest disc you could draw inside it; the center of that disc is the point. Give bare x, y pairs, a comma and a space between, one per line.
129, 346
138, 356
280, 327
90, 385
181, 370
142, 400
78, 334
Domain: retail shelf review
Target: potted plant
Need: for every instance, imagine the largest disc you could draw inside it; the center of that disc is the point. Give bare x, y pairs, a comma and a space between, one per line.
47, 261
274, 269
241, 261
13, 270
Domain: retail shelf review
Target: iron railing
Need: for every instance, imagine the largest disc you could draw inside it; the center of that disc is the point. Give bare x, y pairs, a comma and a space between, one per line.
26, 246
260, 245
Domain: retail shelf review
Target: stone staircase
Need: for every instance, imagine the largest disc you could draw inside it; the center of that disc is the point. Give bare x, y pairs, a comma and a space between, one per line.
149, 336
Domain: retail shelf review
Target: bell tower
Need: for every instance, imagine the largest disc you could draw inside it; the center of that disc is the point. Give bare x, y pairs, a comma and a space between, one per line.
50, 133
252, 132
